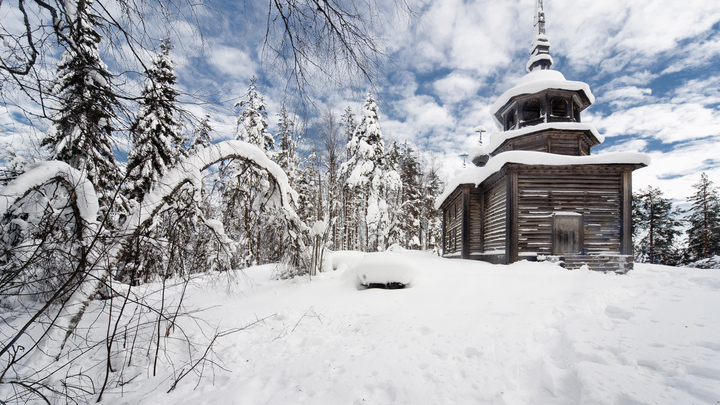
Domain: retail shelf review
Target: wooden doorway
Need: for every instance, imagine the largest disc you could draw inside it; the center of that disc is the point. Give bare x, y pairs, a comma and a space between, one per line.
567, 233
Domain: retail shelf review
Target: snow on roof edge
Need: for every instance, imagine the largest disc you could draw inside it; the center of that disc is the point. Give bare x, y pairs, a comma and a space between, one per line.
476, 175
535, 82
497, 138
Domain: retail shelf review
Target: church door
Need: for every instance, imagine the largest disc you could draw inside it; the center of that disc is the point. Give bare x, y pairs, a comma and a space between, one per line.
567, 233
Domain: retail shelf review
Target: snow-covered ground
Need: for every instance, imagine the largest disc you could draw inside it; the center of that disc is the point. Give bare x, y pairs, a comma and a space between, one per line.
465, 332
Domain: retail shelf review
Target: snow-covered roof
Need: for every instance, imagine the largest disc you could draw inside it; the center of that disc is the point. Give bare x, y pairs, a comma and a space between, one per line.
476, 175
497, 138
537, 81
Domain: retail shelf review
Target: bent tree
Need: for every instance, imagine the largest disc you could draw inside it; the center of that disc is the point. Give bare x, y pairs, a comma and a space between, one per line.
85, 259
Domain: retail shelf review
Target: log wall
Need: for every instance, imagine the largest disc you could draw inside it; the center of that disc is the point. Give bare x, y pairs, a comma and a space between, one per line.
494, 218
596, 194
476, 221
452, 221
573, 143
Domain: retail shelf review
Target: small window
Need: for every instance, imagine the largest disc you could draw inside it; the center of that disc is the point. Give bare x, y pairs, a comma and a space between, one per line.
576, 113
531, 110
559, 107
510, 120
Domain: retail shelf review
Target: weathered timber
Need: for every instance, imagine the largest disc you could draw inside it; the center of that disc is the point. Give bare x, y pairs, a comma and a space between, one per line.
495, 218
511, 215
573, 143
626, 246
466, 220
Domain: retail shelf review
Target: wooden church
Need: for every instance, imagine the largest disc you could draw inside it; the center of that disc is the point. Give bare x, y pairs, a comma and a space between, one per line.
536, 192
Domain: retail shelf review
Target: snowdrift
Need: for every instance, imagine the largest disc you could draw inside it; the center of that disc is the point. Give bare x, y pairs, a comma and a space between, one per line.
467, 332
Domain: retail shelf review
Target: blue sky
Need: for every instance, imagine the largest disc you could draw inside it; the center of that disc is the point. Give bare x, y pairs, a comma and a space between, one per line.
653, 65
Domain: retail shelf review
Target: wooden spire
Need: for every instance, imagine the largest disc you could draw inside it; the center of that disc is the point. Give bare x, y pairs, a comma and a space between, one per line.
540, 49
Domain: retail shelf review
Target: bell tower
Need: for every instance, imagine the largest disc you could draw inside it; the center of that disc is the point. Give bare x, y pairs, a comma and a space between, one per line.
542, 112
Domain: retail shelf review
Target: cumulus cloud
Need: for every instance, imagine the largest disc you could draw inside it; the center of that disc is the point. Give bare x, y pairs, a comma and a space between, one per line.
456, 87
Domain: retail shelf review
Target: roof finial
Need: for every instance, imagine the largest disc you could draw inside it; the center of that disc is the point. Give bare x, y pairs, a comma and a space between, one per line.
540, 49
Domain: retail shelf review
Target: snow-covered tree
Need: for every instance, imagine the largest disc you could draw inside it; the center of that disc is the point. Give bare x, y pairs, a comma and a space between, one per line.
371, 174
655, 226
201, 135
157, 131
349, 221
309, 191
11, 164
81, 130
287, 143
431, 223
244, 188
252, 121
332, 145
406, 229
704, 219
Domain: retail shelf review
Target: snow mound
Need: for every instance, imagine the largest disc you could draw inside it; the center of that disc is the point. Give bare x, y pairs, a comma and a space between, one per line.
343, 259
709, 263
384, 268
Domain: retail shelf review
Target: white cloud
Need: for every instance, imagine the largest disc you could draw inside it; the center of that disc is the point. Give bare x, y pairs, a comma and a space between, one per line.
616, 33
694, 55
622, 97
703, 91
456, 87
641, 78
232, 62
665, 122
675, 172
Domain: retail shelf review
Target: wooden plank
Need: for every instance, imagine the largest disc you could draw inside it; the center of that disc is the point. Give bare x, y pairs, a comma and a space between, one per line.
465, 222
444, 226
626, 246
494, 217
511, 242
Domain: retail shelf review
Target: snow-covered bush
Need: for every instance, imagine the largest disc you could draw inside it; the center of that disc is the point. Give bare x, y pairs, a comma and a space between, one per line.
709, 263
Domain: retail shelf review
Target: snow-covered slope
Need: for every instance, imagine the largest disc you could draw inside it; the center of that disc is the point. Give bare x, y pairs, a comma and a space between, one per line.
464, 333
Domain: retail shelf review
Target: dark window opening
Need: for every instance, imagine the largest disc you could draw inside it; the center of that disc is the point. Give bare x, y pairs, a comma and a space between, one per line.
510, 121
559, 107
531, 110
576, 113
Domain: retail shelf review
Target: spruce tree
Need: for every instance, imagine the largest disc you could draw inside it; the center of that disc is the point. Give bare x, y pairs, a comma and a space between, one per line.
410, 204
157, 136
349, 220
656, 224
245, 188
252, 121
371, 174
201, 134
431, 218
704, 219
81, 130
287, 145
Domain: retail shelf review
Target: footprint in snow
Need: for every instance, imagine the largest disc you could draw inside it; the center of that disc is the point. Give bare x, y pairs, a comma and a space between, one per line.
617, 313
471, 352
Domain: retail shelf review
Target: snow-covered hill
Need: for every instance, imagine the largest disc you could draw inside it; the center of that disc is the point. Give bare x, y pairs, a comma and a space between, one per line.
465, 332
